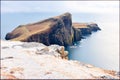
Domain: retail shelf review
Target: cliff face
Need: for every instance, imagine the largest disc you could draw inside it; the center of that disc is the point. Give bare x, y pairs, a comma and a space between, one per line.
23, 60
77, 34
86, 28
57, 30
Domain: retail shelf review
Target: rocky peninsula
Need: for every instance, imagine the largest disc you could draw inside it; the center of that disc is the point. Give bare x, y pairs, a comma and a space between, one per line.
36, 51
56, 30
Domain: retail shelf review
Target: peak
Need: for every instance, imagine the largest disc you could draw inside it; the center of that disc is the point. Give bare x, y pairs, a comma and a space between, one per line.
62, 16
66, 14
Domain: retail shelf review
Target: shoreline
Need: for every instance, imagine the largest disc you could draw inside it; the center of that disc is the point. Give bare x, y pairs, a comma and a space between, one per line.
43, 44
15, 54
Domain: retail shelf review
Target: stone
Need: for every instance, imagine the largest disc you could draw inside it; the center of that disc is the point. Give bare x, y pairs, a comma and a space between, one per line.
24, 63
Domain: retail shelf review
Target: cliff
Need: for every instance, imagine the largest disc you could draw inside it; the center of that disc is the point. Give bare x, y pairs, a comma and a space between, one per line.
86, 28
23, 60
56, 30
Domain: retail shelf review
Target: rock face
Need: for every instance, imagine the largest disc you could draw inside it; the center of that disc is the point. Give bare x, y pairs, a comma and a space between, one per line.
77, 34
86, 28
23, 60
57, 30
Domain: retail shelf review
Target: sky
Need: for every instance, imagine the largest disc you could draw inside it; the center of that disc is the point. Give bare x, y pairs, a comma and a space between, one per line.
60, 6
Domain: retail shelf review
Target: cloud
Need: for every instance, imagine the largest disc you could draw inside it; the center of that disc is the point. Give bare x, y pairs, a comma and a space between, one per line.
60, 6
93, 6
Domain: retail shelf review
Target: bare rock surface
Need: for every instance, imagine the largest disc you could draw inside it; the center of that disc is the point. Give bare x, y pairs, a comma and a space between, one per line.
22, 60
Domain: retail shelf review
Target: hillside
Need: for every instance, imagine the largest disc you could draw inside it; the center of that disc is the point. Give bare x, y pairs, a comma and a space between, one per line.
56, 30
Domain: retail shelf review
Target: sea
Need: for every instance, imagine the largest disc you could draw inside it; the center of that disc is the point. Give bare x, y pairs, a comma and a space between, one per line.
100, 49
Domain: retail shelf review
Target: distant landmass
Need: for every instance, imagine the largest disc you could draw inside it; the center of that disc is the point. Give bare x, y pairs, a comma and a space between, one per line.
56, 30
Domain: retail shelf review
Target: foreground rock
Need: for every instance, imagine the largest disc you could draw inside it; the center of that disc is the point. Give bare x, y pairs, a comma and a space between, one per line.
36, 61
57, 30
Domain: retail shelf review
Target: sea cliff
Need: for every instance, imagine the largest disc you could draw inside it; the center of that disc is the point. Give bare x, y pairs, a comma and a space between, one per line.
56, 30
36, 51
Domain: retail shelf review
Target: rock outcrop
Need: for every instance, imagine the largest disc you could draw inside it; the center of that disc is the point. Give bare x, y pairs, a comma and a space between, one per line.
86, 28
57, 30
38, 48
23, 60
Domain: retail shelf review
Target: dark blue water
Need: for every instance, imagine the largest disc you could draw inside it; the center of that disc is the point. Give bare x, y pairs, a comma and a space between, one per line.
100, 49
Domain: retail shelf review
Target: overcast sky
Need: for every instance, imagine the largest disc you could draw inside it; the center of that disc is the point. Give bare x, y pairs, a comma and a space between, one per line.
60, 6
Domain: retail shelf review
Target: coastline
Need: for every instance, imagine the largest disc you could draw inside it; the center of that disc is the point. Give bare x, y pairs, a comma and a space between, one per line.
55, 30
23, 60
46, 56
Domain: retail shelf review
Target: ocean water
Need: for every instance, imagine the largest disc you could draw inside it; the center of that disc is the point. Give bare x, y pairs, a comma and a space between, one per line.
100, 49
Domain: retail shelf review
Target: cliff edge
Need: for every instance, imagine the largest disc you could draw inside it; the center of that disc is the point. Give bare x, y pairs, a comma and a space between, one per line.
56, 30
23, 60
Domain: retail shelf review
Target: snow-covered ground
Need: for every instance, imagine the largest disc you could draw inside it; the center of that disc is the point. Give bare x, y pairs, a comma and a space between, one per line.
23, 60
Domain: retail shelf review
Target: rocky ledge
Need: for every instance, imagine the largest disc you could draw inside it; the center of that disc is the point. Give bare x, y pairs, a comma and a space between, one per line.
23, 60
56, 30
